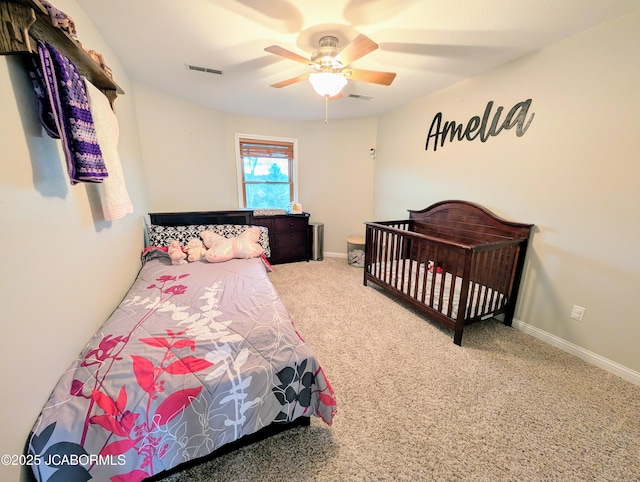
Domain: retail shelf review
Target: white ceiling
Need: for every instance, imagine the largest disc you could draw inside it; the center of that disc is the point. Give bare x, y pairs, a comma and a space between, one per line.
430, 44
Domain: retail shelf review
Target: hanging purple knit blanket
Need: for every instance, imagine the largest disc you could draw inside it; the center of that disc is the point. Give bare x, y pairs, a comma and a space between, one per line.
70, 106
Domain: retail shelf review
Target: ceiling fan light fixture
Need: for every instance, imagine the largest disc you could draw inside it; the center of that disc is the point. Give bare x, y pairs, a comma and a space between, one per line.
327, 83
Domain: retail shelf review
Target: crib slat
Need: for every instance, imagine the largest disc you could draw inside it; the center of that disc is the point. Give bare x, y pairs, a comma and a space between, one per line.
490, 301
396, 259
453, 285
502, 276
481, 288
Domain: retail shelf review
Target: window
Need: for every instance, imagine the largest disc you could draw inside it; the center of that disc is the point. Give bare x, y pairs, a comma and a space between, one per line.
266, 171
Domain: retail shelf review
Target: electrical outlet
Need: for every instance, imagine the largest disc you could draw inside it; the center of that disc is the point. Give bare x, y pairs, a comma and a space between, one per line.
577, 313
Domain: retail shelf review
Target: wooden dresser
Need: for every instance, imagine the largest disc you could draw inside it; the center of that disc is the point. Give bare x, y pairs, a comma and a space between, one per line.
288, 237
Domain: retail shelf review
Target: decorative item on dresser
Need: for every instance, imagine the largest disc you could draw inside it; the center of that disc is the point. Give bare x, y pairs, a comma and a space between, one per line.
288, 236
455, 261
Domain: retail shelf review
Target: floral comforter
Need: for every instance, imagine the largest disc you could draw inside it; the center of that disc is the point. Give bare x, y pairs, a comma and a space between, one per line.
196, 356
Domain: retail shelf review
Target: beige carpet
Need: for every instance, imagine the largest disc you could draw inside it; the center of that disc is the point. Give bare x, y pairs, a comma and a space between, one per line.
414, 406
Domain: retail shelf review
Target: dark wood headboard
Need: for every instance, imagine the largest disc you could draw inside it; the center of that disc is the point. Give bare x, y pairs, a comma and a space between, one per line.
242, 216
467, 222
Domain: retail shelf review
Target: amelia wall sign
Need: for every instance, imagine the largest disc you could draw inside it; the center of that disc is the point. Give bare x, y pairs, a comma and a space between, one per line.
490, 124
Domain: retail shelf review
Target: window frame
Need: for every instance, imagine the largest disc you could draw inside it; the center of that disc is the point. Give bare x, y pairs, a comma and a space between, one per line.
293, 177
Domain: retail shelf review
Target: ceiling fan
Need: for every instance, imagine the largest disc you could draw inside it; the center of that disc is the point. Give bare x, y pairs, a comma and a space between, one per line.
330, 65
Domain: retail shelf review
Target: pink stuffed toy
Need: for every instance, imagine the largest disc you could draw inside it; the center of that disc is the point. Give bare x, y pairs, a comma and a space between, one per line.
223, 249
195, 249
175, 253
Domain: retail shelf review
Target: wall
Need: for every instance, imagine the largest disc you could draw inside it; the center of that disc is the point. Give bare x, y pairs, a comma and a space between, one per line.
64, 267
574, 173
189, 155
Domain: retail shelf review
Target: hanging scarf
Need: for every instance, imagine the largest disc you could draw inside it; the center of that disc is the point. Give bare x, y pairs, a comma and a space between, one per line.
69, 105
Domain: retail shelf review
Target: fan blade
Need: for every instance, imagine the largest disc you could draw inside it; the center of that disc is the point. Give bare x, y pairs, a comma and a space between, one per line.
288, 54
358, 47
284, 83
371, 76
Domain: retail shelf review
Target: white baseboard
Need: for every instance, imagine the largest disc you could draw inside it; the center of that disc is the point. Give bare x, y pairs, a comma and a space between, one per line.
330, 254
586, 355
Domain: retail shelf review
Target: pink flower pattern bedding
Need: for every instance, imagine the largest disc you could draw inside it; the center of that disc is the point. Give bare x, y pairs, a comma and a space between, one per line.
195, 356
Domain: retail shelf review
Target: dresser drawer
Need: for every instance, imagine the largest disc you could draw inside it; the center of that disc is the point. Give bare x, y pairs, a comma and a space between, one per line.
287, 224
291, 253
286, 240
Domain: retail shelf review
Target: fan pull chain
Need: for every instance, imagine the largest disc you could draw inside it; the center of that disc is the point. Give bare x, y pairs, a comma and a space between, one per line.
326, 109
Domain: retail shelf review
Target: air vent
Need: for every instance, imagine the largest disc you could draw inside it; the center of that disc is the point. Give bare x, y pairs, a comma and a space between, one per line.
204, 69
360, 97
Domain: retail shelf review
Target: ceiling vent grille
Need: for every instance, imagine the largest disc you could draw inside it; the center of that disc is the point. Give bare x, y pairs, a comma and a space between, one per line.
204, 69
360, 97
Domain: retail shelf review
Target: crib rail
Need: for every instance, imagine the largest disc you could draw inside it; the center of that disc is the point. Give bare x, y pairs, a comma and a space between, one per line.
452, 282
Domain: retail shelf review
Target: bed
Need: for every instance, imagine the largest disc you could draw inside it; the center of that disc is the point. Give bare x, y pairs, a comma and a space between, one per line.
454, 261
197, 357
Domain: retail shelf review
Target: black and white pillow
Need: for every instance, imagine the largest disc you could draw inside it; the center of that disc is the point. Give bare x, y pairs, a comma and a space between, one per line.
162, 235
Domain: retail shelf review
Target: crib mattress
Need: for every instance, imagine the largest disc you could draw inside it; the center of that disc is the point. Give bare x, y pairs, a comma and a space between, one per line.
439, 289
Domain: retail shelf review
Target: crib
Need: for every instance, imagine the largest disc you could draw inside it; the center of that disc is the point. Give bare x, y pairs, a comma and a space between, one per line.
455, 261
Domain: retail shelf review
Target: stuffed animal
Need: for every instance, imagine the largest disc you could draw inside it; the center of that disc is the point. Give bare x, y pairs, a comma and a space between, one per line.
176, 253
223, 249
195, 249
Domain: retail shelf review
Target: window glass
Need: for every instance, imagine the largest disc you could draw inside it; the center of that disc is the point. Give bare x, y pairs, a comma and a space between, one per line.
266, 172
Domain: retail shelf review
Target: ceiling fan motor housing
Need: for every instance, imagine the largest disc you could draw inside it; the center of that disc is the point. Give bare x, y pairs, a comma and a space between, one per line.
324, 55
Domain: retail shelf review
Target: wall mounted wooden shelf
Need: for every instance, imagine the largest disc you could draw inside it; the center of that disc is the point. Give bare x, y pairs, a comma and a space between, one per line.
23, 22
